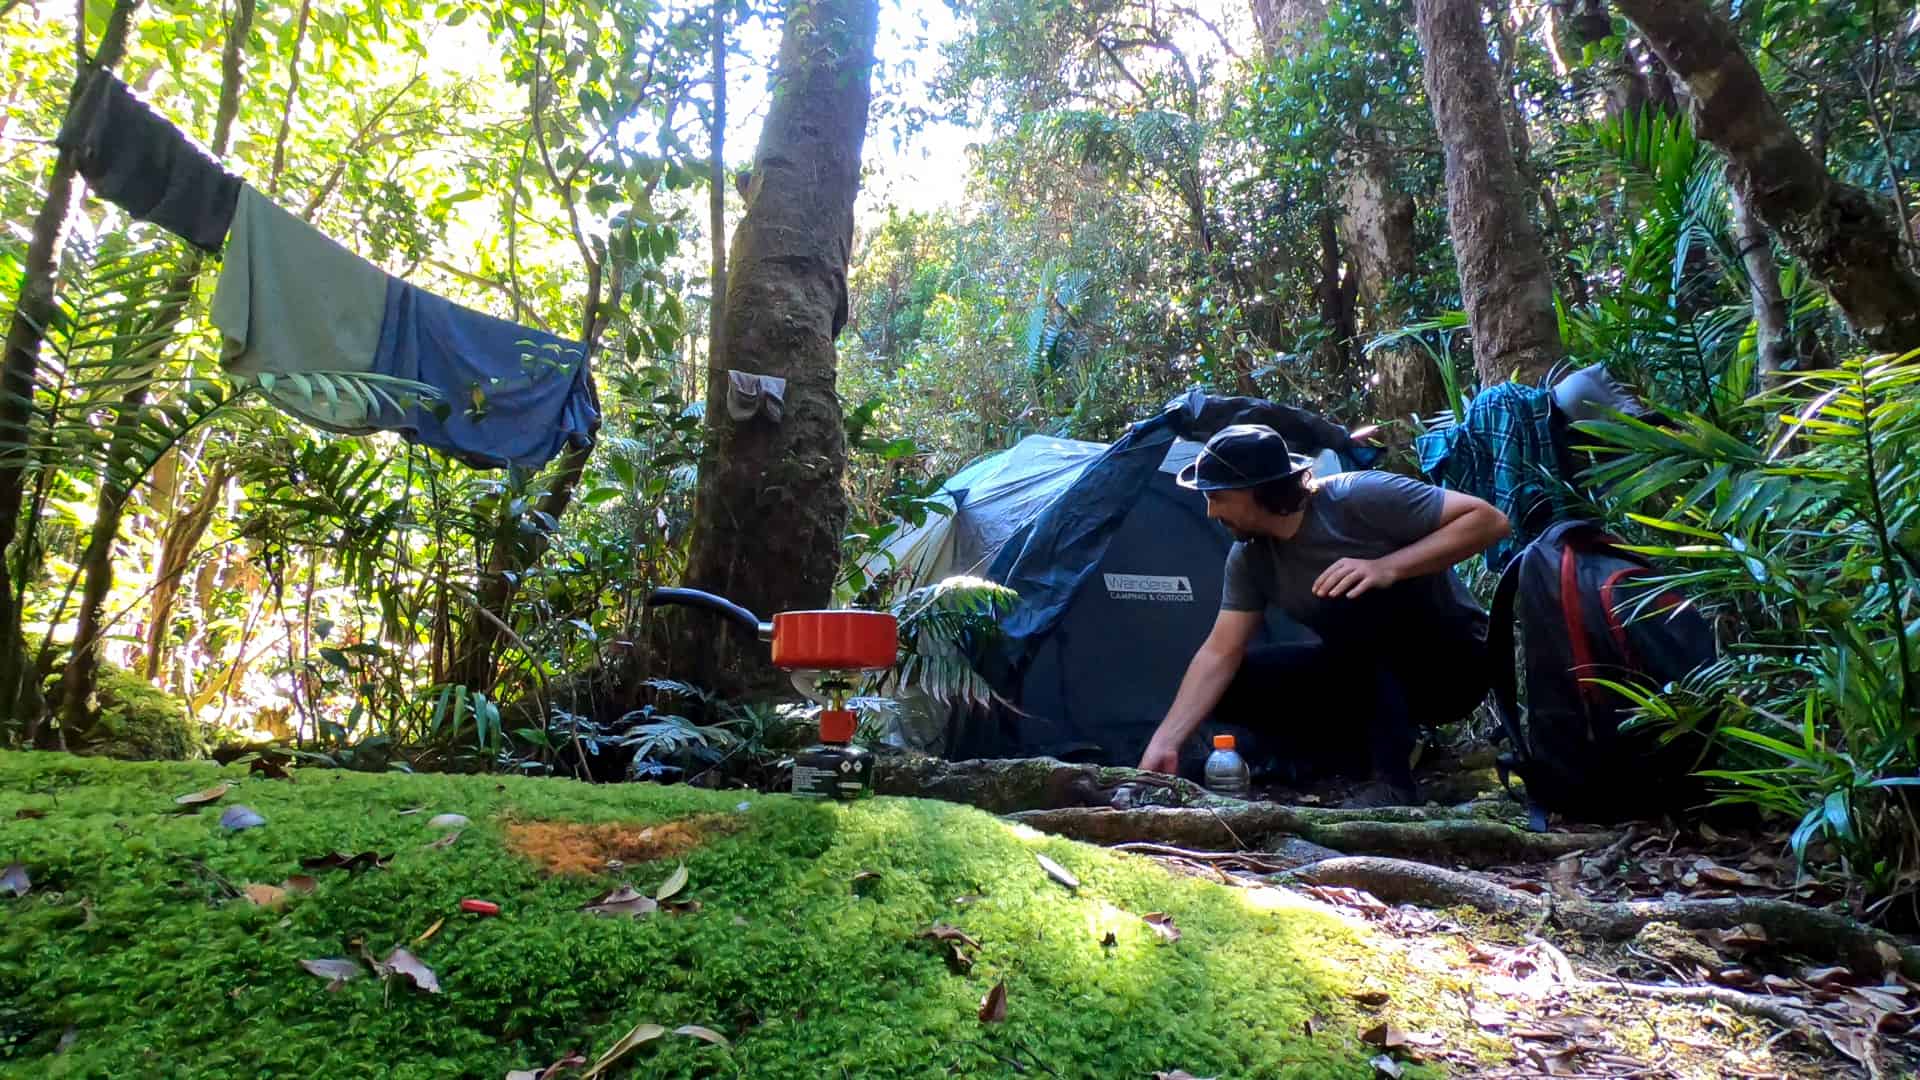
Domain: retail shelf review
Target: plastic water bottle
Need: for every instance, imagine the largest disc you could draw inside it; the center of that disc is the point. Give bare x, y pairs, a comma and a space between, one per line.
1227, 772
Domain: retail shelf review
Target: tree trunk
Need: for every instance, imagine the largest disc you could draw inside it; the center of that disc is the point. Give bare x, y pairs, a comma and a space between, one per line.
1769, 306
770, 508
717, 190
20, 698
1376, 223
1504, 280
1833, 227
96, 564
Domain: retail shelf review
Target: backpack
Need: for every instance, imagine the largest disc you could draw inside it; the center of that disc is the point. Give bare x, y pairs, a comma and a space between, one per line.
1584, 615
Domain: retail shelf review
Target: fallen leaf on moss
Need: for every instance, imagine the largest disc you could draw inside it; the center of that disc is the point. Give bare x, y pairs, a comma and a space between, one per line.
1387, 1067
300, 883
337, 971
625, 900
431, 930
641, 1033
674, 883
241, 817
551, 1071
447, 821
410, 810
1178, 1074
1162, 924
1373, 998
702, 1033
14, 880
1112, 939
942, 932
445, 841
402, 962
270, 767
1057, 872
993, 1007
334, 860
1385, 1036
271, 897
28, 813
211, 794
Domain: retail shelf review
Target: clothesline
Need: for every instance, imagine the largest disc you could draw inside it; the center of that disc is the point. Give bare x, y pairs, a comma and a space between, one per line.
296, 309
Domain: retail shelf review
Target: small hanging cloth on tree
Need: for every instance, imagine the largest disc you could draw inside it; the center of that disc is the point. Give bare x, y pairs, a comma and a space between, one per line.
134, 158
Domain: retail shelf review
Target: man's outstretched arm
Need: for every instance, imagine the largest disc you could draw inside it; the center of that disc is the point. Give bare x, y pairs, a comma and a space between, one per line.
1208, 674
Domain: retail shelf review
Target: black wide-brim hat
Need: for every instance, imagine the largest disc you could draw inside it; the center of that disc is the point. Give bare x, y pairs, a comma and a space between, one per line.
1242, 456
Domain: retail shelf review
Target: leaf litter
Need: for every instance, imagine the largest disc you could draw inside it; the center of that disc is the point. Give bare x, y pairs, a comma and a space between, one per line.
200, 798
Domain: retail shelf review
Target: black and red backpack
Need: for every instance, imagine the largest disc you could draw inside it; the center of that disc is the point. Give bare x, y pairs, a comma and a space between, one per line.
1589, 613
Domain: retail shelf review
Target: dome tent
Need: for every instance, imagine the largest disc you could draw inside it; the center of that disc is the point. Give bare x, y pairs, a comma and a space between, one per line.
1118, 569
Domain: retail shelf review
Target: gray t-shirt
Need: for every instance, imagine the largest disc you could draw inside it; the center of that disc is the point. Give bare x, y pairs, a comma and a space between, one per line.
1356, 515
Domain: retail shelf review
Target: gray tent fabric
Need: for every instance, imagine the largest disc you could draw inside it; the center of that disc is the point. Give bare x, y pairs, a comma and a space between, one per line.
1119, 572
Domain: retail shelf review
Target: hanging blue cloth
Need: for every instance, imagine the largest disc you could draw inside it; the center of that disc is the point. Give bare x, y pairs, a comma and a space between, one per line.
510, 394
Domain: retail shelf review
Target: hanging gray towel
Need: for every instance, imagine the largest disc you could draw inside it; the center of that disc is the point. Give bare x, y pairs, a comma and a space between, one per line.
291, 301
750, 395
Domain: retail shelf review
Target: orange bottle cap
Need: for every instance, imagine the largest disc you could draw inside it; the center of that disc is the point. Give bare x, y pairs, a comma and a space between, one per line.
1223, 742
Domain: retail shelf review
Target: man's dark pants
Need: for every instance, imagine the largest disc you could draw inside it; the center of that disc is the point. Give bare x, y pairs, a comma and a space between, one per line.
1386, 664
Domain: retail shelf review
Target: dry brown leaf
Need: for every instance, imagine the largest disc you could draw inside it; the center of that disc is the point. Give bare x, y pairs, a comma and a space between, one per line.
28, 813
641, 1033
1057, 872
1889, 955
1110, 940
431, 930
336, 970
208, 795
943, 932
707, 1034
625, 900
300, 883
271, 897
1162, 924
993, 1007
353, 864
1372, 998
1564, 875
1385, 1036
958, 960
674, 883
1489, 1017
402, 962
14, 880
1829, 978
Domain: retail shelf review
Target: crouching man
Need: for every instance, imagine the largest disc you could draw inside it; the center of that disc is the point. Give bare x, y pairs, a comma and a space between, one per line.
1362, 559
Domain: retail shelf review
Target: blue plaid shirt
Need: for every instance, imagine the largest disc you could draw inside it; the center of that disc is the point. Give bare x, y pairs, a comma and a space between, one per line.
1504, 452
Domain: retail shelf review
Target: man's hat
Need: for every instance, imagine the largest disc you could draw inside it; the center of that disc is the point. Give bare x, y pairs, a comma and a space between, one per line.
1242, 456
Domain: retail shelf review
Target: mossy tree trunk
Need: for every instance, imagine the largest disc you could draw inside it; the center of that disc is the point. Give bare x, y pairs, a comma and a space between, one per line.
1836, 229
770, 509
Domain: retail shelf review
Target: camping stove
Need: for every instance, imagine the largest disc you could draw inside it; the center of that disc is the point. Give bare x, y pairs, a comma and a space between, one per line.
824, 651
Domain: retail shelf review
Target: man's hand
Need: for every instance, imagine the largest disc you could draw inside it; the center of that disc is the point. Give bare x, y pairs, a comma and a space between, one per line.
1161, 758
1351, 577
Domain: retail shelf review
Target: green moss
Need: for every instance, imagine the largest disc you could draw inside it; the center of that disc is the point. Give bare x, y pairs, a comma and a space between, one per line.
130, 939
135, 721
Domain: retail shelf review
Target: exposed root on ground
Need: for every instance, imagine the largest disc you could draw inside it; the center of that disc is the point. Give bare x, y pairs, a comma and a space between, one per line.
1793, 926
1449, 835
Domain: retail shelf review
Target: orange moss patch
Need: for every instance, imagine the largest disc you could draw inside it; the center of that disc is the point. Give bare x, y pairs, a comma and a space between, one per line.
567, 847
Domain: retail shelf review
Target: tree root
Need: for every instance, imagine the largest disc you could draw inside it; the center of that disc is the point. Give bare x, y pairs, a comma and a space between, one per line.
1003, 786
1790, 925
1462, 836
1784, 1016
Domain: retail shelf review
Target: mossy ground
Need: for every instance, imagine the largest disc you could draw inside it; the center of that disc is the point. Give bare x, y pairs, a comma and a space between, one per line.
129, 940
